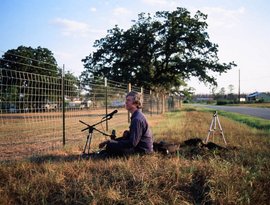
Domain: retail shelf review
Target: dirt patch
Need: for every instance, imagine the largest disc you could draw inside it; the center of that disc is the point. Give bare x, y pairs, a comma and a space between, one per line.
191, 148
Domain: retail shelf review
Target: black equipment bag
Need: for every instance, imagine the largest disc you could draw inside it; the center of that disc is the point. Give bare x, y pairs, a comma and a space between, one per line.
166, 147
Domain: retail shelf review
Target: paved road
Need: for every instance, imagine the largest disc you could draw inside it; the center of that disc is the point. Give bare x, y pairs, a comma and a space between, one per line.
256, 112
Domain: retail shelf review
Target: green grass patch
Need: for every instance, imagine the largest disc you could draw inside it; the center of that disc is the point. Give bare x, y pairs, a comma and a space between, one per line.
249, 120
253, 122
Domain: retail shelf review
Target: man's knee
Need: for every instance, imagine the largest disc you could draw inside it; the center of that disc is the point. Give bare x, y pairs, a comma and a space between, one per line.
113, 147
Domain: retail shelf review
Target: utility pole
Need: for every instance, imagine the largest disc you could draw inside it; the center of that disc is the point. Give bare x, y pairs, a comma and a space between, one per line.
239, 87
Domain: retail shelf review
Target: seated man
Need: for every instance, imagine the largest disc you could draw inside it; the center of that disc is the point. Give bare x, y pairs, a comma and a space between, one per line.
139, 138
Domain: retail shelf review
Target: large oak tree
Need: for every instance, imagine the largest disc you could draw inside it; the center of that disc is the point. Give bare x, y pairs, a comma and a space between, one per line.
159, 52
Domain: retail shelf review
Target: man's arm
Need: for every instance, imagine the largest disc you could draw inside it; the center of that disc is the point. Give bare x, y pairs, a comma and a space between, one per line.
136, 132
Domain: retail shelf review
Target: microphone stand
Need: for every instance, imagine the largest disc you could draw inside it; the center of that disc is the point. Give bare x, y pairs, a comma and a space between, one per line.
91, 129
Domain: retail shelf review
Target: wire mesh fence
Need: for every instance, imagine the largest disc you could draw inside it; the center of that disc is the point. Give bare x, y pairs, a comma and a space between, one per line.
39, 113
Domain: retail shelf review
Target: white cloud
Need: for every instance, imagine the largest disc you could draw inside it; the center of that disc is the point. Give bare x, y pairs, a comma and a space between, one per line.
219, 17
120, 16
93, 9
121, 11
71, 27
163, 3
155, 2
62, 56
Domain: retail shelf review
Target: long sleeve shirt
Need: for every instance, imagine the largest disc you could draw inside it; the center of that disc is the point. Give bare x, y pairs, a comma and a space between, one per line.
140, 138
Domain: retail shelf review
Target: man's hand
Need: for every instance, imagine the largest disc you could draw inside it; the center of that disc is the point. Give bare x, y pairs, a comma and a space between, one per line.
126, 134
103, 144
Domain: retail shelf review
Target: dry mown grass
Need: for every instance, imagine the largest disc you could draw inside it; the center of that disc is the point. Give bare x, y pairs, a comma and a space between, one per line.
25, 134
239, 175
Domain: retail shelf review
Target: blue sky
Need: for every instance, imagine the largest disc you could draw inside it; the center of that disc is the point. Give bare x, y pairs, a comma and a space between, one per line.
69, 28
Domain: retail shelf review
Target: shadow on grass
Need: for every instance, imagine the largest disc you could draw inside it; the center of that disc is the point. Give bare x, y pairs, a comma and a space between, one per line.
189, 149
54, 158
199, 189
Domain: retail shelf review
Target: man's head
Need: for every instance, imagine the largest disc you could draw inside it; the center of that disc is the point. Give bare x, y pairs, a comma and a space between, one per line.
133, 101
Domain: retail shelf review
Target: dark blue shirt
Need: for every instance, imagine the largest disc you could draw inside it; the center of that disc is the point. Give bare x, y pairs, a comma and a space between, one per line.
140, 138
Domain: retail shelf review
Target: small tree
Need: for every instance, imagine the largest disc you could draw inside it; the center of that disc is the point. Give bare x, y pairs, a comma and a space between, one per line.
231, 89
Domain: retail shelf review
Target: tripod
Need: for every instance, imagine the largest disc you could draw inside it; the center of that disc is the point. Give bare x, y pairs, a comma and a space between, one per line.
91, 129
213, 127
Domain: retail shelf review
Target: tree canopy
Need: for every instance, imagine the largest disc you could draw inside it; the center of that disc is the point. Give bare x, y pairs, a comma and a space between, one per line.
32, 76
159, 52
33, 60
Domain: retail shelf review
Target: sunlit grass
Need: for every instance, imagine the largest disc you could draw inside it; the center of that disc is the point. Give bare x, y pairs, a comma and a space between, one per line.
254, 122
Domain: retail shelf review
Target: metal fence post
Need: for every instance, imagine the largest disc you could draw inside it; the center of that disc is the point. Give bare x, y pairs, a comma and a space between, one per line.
157, 100
163, 104
129, 89
106, 101
142, 100
151, 102
63, 106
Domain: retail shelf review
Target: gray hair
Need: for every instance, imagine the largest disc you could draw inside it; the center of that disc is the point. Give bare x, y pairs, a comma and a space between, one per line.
137, 98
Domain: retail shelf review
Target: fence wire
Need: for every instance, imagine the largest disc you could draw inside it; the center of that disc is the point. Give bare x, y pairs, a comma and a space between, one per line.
40, 113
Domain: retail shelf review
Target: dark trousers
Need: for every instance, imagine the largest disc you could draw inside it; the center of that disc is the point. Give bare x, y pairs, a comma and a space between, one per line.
115, 148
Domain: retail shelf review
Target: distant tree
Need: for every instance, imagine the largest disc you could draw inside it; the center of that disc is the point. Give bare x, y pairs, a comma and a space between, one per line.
221, 93
213, 90
31, 75
231, 88
232, 96
72, 85
33, 60
158, 53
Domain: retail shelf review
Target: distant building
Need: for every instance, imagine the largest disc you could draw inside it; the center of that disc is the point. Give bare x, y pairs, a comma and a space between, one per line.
202, 99
258, 96
242, 99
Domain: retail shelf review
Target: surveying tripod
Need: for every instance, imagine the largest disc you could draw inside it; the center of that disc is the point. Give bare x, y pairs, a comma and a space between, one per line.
213, 127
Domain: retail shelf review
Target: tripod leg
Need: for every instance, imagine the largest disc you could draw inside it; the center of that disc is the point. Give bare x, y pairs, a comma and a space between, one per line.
210, 130
90, 139
87, 139
215, 126
221, 131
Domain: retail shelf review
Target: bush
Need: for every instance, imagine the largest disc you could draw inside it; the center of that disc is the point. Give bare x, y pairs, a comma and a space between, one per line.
185, 101
222, 102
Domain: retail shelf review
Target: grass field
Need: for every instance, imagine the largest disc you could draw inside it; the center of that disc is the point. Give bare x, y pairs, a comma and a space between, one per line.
262, 105
238, 175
